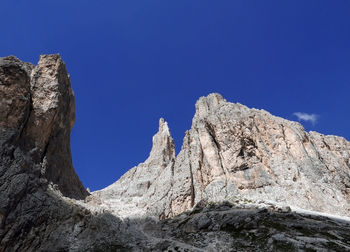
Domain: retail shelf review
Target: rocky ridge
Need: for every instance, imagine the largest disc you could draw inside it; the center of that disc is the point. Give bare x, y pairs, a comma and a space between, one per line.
232, 151
227, 190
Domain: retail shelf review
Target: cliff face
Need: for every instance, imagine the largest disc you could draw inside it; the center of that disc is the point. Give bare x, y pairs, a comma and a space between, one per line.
233, 151
36, 172
36, 118
212, 196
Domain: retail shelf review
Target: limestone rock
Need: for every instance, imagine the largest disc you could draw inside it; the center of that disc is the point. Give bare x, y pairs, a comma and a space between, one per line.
139, 189
36, 117
215, 195
226, 227
233, 151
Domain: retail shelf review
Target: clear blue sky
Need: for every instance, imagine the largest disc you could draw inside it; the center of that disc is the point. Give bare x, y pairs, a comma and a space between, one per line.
132, 62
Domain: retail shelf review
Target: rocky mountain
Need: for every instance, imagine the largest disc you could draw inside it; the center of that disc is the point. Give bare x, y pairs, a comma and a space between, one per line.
39, 188
233, 151
244, 179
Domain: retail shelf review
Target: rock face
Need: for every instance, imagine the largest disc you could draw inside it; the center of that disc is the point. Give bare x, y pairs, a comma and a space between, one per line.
36, 172
227, 227
36, 118
213, 196
232, 151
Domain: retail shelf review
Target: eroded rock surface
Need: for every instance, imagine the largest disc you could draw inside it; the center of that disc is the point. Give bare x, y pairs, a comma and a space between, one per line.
230, 227
213, 196
232, 150
36, 118
36, 172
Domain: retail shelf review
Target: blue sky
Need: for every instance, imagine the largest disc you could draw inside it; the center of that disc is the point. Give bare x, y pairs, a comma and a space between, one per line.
132, 62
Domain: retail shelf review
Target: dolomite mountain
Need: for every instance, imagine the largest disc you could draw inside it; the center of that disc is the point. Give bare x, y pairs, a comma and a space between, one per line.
244, 180
233, 151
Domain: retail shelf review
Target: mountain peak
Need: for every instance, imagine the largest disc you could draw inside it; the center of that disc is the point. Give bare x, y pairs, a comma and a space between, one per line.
163, 147
234, 151
233, 163
205, 104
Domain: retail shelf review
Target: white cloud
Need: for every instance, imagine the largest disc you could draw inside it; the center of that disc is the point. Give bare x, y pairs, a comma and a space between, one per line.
306, 117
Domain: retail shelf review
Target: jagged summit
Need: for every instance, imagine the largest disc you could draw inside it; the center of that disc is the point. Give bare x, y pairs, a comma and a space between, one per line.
214, 195
233, 151
206, 104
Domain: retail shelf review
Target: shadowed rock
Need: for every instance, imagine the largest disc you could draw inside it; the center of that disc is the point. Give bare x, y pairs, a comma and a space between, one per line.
37, 116
213, 196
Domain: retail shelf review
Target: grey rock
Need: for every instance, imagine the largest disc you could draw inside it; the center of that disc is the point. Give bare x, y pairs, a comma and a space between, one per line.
227, 190
36, 172
240, 229
232, 151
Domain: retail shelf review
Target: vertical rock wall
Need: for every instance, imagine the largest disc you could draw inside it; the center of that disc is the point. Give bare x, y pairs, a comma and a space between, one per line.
36, 118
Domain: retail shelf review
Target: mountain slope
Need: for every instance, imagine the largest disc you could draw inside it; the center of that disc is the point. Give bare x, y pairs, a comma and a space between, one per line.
233, 151
215, 195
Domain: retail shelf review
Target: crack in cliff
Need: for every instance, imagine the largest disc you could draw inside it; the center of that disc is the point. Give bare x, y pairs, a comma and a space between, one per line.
26, 119
211, 133
200, 163
319, 157
284, 138
45, 149
324, 142
172, 168
192, 192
